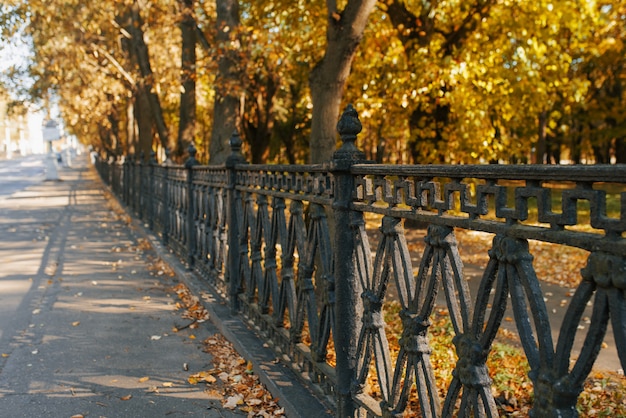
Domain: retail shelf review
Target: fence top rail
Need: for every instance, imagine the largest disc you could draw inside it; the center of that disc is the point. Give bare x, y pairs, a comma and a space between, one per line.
217, 167
615, 173
284, 168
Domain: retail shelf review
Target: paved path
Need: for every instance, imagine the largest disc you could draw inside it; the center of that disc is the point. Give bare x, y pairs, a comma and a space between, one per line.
85, 325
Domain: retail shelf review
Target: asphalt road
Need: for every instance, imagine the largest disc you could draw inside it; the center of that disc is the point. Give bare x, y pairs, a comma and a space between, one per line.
85, 325
18, 173
21, 246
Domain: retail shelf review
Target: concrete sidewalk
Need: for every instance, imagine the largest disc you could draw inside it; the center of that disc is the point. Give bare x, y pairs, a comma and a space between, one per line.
86, 319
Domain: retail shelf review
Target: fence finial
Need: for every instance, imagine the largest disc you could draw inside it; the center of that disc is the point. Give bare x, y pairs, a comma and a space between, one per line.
235, 157
191, 161
349, 127
235, 142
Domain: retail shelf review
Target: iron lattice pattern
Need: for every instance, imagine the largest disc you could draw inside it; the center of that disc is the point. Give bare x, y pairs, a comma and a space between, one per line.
261, 235
286, 263
310, 183
452, 197
209, 223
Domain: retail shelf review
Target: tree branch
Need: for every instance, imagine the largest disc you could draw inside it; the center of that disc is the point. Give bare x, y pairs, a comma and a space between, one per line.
129, 78
331, 6
203, 40
455, 38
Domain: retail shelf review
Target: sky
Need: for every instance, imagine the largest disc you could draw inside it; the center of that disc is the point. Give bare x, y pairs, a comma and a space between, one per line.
14, 52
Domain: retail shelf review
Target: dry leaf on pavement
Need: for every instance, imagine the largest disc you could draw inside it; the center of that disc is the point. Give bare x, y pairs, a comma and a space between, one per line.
233, 401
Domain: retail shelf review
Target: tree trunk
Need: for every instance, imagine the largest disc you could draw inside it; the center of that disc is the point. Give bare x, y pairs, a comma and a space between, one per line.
540, 149
228, 95
142, 56
415, 31
431, 117
187, 119
142, 130
620, 150
257, 120
132, 139
114, 129
258, 129
601, 152
109, 134
576, 140
329, 77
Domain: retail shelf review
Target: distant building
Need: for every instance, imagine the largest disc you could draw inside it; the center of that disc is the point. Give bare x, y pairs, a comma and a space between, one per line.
20, 131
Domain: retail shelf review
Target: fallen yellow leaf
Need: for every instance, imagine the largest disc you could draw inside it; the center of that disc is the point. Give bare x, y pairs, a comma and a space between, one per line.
127, 397
207, 377
144, 379
168, 384
249, 368
233, 401
75, 323
214, 394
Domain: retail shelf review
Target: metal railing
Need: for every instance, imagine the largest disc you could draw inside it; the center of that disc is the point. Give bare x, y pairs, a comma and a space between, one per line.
288, 246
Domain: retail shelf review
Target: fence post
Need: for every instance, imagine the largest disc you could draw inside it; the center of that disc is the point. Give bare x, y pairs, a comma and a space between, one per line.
140, 194
132, 180
125, 179
347, 295
166, 199
232, 220
151, 199
191, 241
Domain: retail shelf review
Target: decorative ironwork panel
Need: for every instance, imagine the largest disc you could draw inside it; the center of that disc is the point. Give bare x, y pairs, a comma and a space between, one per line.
453, 199
309, 183
159, 199
282, 265
461, 196
177, 210
210, 176
211, 234
271, 288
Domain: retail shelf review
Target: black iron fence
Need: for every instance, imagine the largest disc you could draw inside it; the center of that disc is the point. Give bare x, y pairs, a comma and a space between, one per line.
288, 246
